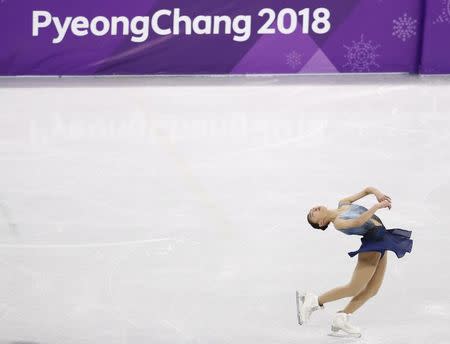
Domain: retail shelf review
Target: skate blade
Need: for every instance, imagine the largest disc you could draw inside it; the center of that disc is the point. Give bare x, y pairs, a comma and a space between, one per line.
300, 298
342, 334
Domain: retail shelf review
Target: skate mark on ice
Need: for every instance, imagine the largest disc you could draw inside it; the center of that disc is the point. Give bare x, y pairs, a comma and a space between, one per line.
94, 245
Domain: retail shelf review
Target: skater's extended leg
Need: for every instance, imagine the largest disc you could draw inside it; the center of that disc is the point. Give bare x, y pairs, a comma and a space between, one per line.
365, 269
371, 289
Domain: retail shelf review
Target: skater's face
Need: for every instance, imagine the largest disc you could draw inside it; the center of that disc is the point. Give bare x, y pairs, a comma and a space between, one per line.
317, 215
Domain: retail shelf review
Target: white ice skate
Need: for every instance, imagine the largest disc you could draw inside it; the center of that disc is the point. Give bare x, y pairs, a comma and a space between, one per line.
340, 327
306, 304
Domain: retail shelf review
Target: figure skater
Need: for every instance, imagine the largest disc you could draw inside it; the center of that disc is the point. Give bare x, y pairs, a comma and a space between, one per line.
353, 219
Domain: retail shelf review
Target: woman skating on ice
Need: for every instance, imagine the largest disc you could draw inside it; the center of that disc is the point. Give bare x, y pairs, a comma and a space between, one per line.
353, 219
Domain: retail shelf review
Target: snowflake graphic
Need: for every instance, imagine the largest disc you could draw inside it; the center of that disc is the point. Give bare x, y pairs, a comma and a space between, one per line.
404, 27
444, 17
294, 59
361, 55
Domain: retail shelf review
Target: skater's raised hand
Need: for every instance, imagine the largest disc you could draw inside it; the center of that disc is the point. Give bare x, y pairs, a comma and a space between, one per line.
382, 197
385, 204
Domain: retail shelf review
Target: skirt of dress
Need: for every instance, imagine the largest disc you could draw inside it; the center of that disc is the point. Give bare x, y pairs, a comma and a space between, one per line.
396, 240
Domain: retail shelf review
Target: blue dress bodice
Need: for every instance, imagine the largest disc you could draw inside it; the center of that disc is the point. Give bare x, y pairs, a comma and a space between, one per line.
368, 228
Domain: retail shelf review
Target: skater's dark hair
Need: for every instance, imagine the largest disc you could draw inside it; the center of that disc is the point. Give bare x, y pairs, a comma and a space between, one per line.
316, 225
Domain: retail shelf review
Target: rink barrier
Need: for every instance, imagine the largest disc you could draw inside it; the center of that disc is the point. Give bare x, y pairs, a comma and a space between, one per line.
221, 37
436, 38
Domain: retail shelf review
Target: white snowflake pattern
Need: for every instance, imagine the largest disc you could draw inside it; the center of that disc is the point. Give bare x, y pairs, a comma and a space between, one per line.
361, 56
404, 27
294, 59
444, 16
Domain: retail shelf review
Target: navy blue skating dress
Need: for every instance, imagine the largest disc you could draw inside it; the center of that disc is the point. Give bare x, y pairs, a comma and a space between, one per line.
375, 237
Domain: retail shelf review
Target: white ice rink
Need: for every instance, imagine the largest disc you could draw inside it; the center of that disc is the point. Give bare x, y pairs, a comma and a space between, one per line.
135, 211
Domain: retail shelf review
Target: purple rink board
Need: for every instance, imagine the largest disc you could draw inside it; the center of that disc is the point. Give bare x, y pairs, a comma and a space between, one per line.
104, 37
436, 38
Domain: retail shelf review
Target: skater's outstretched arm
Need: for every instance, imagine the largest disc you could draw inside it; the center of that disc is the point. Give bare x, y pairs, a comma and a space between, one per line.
361, 219
370, 190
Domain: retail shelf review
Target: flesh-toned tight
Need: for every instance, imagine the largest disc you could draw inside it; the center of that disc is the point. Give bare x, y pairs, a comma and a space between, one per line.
364, 284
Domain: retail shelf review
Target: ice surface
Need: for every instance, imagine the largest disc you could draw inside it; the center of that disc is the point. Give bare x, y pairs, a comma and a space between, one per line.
135, 211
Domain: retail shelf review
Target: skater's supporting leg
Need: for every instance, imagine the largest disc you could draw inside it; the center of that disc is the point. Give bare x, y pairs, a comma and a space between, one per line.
365, 269
370, 290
